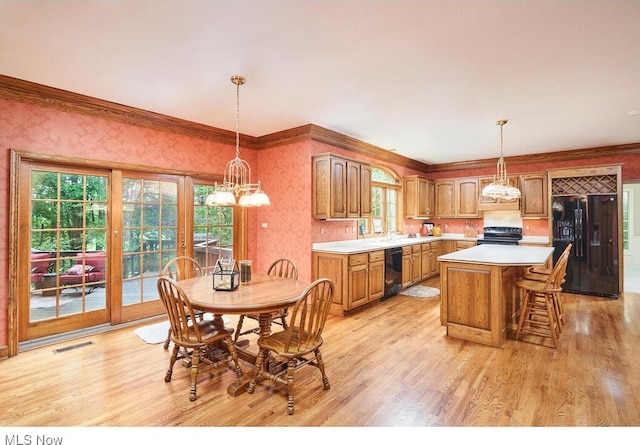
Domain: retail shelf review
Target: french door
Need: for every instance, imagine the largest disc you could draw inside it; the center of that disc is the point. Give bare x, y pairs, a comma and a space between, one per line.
149, 230
63, 249
96, 242
92, 242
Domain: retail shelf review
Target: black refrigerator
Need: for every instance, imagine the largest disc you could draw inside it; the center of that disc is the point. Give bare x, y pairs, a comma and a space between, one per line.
591, 223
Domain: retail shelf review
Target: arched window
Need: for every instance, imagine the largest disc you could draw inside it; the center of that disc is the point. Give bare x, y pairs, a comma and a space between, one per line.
385, 190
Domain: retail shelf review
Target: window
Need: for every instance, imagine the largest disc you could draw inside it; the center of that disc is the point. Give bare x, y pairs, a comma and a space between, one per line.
385, 188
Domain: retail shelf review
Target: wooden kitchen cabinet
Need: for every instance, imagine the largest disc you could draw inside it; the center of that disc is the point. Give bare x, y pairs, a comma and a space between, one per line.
424, 260
419, 197
457, 198
460, 245
445, 198
411, 265
376, 275
430, 252
446, 246
357, 278
341, 188
365, 190
535, 195
434, 250
466, 198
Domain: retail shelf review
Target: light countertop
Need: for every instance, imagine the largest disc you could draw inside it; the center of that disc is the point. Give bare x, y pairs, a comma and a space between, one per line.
493, 254
371, 244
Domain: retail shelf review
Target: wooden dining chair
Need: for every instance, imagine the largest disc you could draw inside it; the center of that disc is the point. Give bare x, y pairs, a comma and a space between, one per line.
284, 268
300, 343
199, 337
180, 268
540, 313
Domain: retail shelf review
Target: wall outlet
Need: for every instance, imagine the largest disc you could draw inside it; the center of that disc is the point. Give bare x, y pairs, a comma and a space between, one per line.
264, 225
346, 229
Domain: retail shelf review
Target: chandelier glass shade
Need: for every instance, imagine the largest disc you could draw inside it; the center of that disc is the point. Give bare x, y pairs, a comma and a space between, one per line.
500, 187
236, 187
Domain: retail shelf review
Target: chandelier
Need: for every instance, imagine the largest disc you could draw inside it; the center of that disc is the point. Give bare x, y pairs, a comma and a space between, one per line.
236, 187
500, 187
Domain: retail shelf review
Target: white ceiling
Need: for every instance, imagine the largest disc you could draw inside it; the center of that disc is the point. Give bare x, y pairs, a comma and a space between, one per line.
426, 78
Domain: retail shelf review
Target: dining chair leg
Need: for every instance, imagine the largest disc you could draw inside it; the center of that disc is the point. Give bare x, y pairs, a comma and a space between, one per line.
325, 379
172, 361
195, 362
291, 368
168, 340
234, 356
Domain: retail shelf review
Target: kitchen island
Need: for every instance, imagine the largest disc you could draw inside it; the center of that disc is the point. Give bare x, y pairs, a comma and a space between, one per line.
479, 298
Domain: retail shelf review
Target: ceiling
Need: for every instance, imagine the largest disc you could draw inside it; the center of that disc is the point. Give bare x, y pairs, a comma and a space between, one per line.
428, 79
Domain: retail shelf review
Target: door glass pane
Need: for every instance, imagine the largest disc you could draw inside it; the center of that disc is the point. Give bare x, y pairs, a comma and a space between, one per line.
68, 244
149, 220
213, 229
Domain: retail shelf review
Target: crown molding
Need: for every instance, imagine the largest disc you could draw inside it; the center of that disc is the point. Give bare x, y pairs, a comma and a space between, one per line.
37, 94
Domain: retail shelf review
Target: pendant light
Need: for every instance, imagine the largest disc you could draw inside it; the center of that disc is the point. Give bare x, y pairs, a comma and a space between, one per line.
236, 188
500, 187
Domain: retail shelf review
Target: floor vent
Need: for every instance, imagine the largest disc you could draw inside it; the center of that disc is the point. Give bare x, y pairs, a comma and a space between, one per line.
69, 348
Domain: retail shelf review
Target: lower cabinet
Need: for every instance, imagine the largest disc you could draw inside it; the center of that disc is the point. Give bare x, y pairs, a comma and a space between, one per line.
411, 265
357, 278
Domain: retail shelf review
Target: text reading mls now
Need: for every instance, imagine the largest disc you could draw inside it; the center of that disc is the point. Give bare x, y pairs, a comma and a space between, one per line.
28, 439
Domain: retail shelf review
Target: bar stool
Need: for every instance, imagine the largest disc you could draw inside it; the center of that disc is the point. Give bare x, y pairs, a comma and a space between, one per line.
540, 312
541, 274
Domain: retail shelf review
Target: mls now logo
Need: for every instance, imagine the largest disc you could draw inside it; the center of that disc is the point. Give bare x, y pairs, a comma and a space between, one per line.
28, 439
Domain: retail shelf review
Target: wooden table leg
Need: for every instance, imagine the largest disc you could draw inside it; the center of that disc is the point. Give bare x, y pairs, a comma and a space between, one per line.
239, 386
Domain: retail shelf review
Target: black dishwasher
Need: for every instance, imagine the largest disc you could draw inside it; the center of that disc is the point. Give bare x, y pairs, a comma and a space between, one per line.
392, 271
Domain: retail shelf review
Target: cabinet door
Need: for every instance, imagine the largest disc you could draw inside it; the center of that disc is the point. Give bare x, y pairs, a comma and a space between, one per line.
358, 286
365, 190
433, 259
445, 202
353, 190
535, 196
376, 280
406, 269
410, 196
445, 247
466, 198
416, 263
426, 251
430, 199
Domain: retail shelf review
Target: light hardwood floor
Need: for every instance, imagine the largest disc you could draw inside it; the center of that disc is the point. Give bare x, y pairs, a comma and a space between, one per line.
389, 365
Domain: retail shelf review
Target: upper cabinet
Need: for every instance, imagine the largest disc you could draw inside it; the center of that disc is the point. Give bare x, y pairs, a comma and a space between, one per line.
341, 188
485, 203
457, 198
535, 195
419, 197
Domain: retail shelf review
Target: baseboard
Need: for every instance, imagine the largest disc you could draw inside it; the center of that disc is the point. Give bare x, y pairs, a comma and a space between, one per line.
4, 352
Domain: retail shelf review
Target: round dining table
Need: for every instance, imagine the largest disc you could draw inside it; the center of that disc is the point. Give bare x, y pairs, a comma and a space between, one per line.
263, 296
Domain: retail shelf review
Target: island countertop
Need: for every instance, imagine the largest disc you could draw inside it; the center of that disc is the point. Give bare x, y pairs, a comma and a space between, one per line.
500, 255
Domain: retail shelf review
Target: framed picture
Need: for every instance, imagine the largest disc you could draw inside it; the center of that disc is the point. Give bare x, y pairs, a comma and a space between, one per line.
377, 225
429, 227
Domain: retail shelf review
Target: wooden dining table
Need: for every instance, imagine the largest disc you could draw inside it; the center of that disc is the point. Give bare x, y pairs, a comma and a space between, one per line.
263, 296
